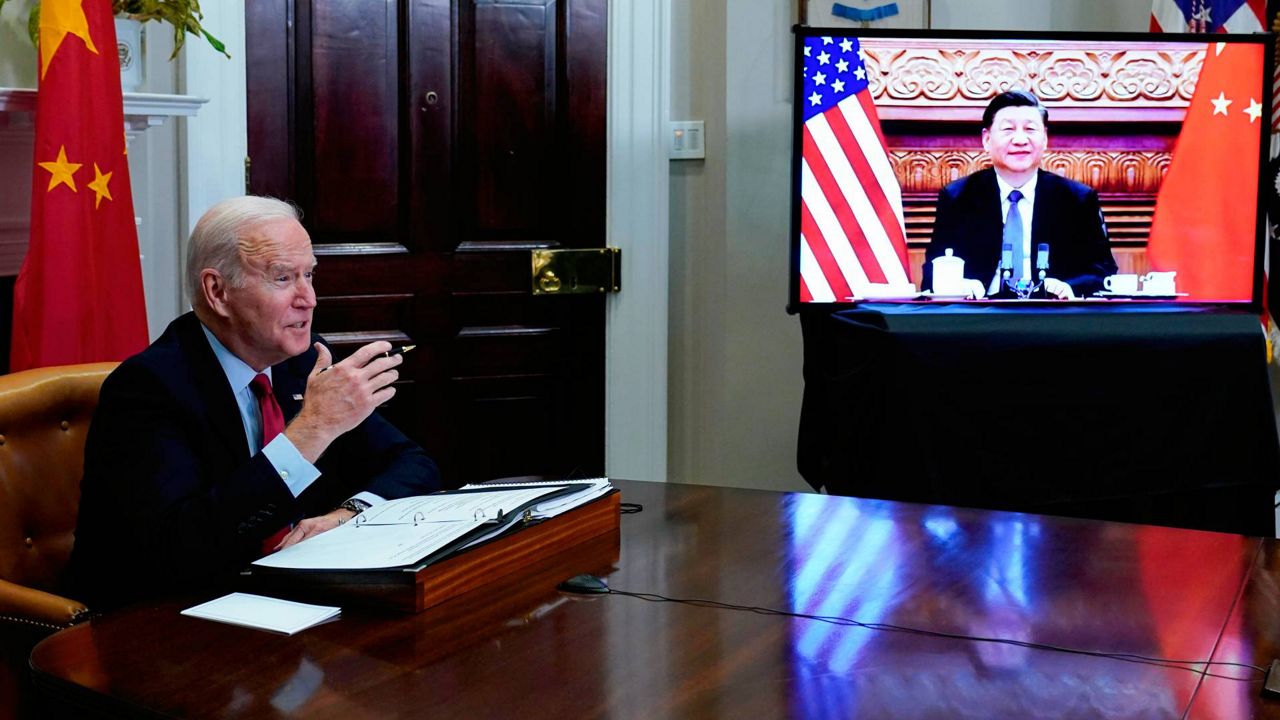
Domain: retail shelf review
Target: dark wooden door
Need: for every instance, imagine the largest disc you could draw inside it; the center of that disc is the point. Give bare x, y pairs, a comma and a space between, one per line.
431, 145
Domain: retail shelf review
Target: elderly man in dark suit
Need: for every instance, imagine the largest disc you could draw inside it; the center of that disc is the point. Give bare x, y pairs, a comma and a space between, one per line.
1016, 203
234, 435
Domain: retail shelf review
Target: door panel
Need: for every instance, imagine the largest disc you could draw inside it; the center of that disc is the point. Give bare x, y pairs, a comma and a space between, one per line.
431, 145
513, 58
349, 111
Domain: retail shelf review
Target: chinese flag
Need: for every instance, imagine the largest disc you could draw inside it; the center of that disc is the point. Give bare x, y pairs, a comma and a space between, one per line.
1206, 213
79, 295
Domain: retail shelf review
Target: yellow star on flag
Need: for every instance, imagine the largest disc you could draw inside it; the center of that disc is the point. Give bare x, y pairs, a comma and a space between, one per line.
62, 172
100, 186
58, 19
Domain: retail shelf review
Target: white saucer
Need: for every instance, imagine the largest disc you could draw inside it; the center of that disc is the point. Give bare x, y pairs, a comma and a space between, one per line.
1140, 295
883, 298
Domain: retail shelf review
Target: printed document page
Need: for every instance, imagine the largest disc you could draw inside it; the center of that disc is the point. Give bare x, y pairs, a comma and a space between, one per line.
588, 489
402, 532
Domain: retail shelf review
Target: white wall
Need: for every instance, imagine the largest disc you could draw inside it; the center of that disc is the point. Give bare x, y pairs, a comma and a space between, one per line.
735, 355
154, 174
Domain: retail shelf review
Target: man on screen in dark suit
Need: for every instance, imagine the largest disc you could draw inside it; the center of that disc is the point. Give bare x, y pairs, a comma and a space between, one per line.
1015, 202
234, 434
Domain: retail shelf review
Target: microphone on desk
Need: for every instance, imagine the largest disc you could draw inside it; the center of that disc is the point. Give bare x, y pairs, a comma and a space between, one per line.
1004, 274
1042, 261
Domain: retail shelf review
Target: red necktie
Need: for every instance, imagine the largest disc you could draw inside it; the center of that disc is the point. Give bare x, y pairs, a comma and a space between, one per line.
272, 425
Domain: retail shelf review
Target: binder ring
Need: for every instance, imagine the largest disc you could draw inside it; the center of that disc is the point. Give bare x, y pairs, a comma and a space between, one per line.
418, 517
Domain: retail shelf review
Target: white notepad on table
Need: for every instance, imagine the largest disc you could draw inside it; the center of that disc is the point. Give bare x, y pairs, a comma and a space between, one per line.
263, 613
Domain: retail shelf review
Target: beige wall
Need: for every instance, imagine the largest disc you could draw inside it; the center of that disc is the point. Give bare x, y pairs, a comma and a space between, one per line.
735, 355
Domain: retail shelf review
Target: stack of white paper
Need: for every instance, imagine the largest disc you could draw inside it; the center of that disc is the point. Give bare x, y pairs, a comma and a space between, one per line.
263, 613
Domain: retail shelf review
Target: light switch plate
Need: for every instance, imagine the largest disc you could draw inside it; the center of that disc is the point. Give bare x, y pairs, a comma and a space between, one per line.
686, 140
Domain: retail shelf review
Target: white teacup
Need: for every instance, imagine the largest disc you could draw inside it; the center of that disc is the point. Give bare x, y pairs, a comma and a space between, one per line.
1160, 283
1123, 284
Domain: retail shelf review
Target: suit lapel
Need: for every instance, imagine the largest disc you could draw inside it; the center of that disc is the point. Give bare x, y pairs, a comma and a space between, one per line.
991, 191
288, 388
992, 224
220, 404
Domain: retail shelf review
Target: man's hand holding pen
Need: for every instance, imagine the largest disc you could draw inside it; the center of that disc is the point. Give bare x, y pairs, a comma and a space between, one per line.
341, 395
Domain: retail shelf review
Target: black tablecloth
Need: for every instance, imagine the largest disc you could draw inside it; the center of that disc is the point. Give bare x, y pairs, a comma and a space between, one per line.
1158, 414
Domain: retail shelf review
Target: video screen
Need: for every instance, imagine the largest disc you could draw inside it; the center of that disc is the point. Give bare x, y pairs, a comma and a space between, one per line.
1096, 168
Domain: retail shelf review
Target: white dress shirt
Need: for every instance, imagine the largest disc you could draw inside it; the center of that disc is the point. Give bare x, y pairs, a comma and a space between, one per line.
1026, 206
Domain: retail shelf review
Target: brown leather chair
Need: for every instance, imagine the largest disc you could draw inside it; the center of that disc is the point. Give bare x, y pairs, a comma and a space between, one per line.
44, 416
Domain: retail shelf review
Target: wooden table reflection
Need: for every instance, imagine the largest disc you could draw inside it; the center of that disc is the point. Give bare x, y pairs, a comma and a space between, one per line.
528, 651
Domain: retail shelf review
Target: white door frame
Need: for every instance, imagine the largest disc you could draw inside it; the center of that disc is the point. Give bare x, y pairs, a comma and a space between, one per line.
638, 174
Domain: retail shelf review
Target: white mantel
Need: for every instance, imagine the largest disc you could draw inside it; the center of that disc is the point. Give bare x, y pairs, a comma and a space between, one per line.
141, 110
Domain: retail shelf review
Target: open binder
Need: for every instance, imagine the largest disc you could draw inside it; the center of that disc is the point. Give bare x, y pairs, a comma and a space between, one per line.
416, 552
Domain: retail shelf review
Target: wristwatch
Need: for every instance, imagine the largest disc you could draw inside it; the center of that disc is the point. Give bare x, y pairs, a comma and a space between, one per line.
355, 505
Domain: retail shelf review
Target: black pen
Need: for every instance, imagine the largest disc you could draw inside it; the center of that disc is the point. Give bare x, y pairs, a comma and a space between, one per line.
393, 351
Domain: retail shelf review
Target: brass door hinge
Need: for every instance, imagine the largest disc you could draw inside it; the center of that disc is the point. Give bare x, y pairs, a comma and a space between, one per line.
577, 271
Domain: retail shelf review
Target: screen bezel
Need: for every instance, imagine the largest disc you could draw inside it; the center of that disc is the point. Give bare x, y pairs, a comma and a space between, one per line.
1266, 40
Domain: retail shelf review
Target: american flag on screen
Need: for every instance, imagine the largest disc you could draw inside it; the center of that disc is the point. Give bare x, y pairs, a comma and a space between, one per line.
851, 229
1231, 16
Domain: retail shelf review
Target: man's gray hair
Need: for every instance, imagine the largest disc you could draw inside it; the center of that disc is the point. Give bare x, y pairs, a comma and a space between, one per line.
215, 242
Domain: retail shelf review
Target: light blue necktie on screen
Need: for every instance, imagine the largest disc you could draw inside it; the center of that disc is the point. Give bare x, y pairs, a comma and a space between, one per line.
1013, 233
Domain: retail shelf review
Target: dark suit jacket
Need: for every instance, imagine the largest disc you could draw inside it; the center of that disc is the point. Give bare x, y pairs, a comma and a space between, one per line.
171, 499
1066, 215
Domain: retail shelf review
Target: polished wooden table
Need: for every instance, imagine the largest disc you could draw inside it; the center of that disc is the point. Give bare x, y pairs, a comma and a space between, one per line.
528, 651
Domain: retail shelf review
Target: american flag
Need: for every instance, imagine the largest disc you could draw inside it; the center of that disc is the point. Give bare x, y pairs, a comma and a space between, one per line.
851, 229
1198, 16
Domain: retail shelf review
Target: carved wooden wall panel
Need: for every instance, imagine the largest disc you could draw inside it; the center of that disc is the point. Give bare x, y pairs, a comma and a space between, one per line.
925, 170
1074, 78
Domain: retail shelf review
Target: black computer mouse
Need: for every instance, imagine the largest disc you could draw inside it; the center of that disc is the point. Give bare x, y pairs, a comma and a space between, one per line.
584, 584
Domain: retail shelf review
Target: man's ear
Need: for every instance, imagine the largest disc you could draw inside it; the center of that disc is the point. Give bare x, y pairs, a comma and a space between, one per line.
986, 138
213, 288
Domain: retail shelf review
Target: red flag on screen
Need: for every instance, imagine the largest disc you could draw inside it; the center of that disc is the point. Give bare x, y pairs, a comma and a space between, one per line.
1205, 219
79, 295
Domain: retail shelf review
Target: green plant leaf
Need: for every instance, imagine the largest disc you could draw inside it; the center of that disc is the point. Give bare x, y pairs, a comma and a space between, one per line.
215, 42
33, 25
